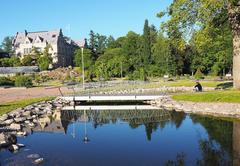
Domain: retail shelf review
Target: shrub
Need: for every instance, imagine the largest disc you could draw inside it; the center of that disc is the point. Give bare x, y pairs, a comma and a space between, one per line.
199, 74
5, 81
44, 62
23, 81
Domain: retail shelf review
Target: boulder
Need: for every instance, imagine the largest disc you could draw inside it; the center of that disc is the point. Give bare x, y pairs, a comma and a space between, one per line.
21, 133
8, 121
11, 139
26, 113
13, 148
19, 119
38, 161
3, 117
15, 126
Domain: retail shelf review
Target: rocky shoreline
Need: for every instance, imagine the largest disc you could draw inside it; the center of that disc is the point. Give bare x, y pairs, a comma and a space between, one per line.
19, 123
228, 110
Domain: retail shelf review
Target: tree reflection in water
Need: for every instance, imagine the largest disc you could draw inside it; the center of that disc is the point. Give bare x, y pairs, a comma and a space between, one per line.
151, 119
218, 149
222, 147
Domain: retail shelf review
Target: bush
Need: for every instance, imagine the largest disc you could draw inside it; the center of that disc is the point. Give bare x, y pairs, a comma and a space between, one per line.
5, 81
44, 63
199, 74
23, 81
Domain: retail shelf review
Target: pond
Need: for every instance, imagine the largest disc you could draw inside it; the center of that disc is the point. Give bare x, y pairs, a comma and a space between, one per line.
128, 137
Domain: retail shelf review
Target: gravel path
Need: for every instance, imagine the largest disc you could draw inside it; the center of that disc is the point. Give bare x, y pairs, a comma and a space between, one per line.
13, 94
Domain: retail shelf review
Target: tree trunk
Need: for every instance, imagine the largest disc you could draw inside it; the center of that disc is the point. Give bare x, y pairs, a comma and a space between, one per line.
236, 143
234, 18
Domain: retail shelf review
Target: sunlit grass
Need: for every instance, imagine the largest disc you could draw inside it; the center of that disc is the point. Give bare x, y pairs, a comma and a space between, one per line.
9, 106
229, 96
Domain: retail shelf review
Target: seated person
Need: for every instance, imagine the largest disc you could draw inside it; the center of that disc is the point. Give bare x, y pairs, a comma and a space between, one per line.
198, 87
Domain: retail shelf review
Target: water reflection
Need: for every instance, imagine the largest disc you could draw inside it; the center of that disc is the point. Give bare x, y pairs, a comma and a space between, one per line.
115, 137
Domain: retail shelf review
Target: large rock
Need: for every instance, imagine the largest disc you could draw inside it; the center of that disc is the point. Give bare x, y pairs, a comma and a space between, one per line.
8, 121
13, 148
3, 117
11, 139
2, 138
15, 126
19, 119
26, 113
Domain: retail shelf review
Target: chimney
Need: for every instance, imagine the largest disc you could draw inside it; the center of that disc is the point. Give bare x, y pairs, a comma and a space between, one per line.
26, 32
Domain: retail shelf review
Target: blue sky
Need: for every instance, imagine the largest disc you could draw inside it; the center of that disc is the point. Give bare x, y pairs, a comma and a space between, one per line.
107, 17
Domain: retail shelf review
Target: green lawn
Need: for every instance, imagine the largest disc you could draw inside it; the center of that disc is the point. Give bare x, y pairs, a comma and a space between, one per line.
9, 106
212, 96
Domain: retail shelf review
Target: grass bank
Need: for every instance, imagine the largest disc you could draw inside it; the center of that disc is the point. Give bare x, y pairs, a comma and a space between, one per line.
212, 96
9, 106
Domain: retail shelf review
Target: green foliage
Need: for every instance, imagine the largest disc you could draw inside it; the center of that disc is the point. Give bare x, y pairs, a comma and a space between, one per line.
214, 96
110, 64
5, 81
23, 81
9, 106
10, 62
27, 60
198, 74
44, 62
7, 44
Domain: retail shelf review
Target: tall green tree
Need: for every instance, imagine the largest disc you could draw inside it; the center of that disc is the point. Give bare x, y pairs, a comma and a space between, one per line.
186, 15
93, 44
88, 62
7, 44
146, 45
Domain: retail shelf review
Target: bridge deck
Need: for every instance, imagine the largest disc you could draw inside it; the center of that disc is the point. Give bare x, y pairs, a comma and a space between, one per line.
113, 98
111, 107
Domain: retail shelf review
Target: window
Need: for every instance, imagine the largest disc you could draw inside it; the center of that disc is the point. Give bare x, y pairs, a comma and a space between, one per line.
53, 36
25, 51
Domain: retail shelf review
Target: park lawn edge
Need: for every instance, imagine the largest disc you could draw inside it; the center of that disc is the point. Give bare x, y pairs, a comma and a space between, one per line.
10, 106
229, 96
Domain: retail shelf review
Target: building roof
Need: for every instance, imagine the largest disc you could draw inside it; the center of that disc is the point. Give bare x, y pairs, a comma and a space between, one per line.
51, 37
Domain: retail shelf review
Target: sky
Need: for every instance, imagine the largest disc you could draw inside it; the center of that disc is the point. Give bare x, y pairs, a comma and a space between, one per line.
78, 17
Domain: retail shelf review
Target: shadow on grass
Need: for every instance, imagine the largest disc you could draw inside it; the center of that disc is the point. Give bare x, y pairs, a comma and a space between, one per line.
225, 85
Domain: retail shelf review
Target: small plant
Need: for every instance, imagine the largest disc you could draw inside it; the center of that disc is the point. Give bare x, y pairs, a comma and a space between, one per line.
23, 81
199, 74
5, 81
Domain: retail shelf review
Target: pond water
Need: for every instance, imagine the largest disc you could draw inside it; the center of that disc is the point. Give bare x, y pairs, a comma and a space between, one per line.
128, 137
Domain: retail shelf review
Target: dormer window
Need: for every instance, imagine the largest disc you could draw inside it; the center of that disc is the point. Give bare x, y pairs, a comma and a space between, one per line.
38, 39
53, 36
28, 40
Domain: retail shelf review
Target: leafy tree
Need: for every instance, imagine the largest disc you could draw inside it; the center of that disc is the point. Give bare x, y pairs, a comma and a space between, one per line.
7, 44
112, 43
161, 54
88, 62
192, 14
110, 64
10, 62
27, 60
45, 59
